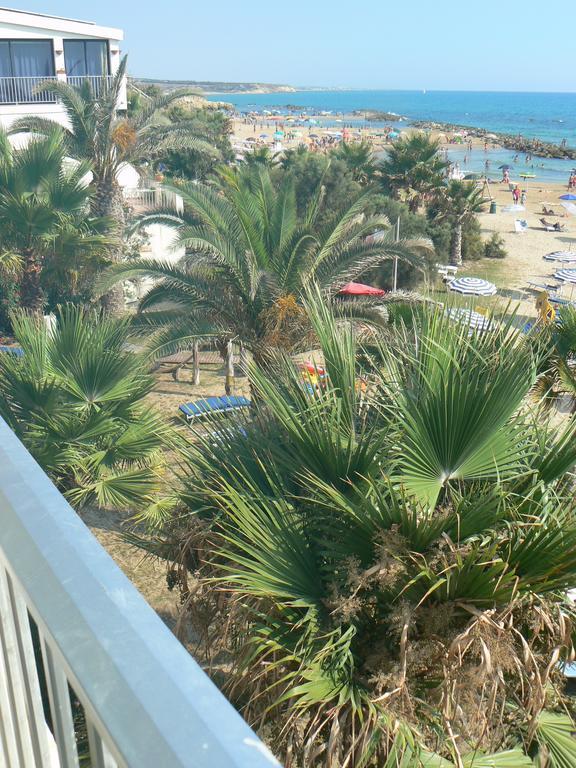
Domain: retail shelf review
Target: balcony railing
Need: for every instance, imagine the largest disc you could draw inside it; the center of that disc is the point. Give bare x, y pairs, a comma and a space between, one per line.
28, 90
86, 667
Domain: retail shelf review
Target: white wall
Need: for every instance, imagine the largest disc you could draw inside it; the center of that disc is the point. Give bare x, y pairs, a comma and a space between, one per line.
14, 25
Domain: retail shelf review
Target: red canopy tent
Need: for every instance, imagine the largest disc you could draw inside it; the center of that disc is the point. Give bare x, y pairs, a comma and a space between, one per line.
359, 289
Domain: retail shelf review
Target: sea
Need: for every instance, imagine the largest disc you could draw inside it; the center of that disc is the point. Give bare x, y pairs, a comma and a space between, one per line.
547, 116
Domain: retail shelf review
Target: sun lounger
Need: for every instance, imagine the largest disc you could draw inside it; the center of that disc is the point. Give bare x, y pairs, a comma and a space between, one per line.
213, 405
16, 351
550, 287
561, 301
550, 227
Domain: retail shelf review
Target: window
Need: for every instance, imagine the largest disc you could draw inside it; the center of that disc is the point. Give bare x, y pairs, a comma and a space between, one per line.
26, 58
86, 57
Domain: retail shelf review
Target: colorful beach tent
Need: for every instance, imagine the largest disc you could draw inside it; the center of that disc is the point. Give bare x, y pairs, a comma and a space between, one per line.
472, 286
359, 289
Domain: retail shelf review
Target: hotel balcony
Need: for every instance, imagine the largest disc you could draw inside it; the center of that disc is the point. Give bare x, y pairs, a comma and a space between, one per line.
28, 90
89, 674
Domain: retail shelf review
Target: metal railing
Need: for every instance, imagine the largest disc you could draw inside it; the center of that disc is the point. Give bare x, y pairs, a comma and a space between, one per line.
97, 82
28, 90
88, 672
25, 90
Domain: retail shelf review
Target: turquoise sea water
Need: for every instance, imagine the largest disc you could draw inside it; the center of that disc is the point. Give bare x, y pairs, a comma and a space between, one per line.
547, 116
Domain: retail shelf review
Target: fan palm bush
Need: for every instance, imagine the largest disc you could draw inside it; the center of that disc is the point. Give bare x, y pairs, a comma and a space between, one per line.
46, 233
107, 139
558, 374
385, 559
76, 400
249, 257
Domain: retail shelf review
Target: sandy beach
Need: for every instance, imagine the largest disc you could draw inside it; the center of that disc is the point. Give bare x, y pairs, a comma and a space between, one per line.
526, 250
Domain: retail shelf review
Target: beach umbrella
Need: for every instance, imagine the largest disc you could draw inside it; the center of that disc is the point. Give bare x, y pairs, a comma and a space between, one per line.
472, 286
528, 176
359, 289
567, 257
474, 320
566, 275
505, 167
570, 207
567, 197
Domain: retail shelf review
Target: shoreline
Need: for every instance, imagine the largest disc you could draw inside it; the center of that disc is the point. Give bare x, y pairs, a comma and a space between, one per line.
514, 142
521, 144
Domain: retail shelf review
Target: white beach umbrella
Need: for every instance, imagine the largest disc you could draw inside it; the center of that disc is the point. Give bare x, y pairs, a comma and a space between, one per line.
472, 286
567, 257
513, 208
566, 275
474, 320
570, 207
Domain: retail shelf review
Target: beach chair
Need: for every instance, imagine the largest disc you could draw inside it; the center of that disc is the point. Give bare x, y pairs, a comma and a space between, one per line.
550, 227
16, 351
520, 225
550, 287
209, 406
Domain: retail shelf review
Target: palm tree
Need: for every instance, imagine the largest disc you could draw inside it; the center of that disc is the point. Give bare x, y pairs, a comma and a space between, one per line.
100, 135
390, 554
359, 159
44, 222
249, 258
459, 202
413, 168
76, 400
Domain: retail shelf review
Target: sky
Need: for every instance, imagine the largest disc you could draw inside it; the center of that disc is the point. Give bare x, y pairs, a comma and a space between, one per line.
385, 44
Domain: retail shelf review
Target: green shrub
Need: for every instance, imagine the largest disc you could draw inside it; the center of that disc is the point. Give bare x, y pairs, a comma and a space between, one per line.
494, 247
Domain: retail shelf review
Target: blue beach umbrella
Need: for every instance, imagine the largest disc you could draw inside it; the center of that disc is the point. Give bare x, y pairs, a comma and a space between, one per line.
567, 197
472, 286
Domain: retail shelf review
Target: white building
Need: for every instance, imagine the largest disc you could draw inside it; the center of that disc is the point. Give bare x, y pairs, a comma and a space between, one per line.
35, 47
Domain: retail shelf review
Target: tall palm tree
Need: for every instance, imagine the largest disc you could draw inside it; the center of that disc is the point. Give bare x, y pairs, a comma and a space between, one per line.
359, 158
108, 140
249, 256
459, 201
413, 168
44, 214
389, 554
76, 400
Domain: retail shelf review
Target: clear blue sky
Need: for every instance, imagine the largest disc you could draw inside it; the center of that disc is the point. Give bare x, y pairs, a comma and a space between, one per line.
402, 44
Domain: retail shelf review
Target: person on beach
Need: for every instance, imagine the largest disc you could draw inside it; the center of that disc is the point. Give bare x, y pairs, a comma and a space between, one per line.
516, 194
523, 197
506, 176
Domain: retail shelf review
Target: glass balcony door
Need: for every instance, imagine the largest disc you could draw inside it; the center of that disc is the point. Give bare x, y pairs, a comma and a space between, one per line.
86, 58
23, 65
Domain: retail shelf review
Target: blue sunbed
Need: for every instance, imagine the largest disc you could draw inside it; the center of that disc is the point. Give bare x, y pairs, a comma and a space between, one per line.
210, 405
16, 351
